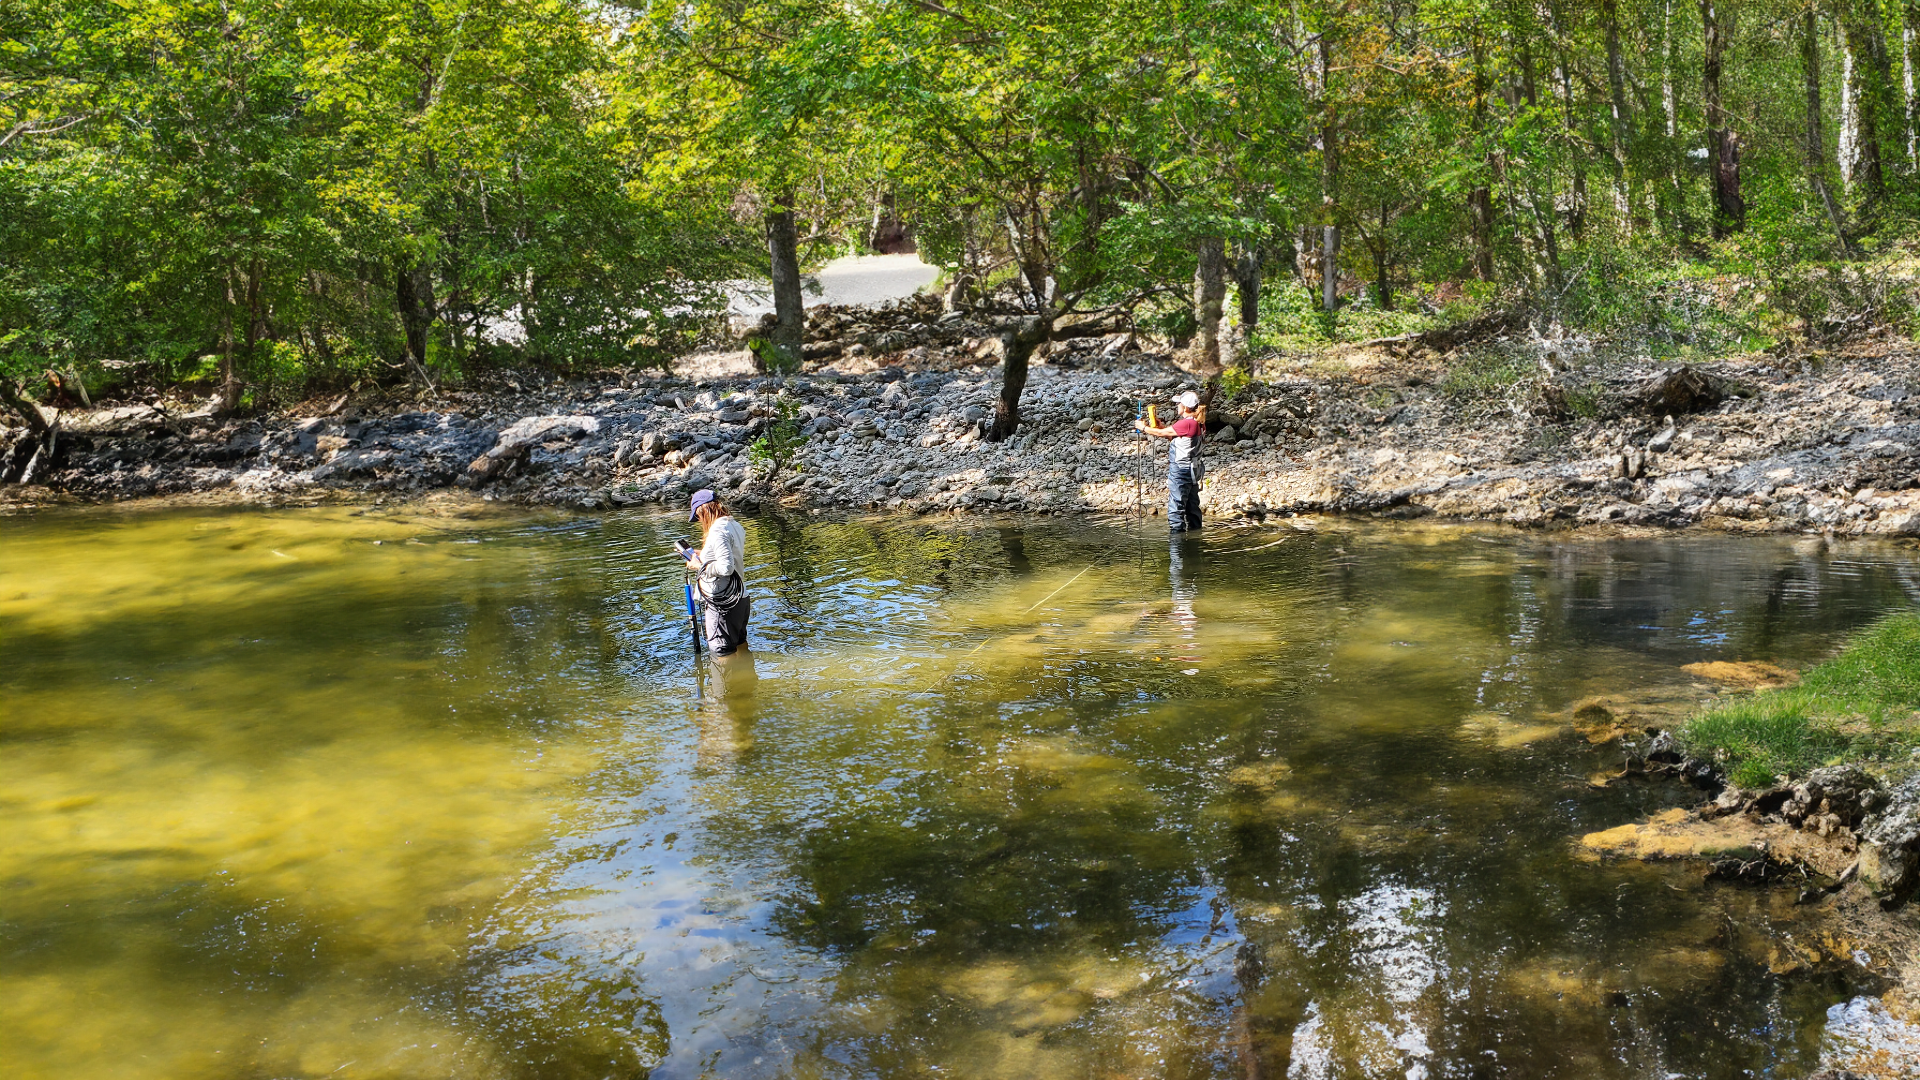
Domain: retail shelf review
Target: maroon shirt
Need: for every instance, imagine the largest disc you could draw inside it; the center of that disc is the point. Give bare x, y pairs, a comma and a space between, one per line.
1185, 444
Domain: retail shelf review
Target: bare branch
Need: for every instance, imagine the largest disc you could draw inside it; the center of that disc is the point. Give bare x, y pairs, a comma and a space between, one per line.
25, 127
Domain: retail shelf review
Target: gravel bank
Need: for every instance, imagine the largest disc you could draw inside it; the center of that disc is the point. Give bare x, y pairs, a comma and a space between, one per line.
1826, 444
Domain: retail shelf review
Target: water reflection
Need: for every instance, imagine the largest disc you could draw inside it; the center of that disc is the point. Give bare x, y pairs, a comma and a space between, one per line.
414, 794
728, 704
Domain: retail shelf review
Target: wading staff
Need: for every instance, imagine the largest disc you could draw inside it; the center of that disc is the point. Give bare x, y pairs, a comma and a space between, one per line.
1139, 467
693, 621
686, 580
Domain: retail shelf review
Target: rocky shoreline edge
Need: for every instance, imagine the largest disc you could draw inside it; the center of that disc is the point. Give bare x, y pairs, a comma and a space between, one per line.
1761, 443
1840, 848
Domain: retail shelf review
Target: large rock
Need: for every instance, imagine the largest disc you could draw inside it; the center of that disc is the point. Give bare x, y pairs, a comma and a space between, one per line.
1887, 857
520, 437
1680, 391
1839, 795
352, 463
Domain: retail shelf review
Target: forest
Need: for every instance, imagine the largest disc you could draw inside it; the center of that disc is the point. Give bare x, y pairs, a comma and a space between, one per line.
263, 197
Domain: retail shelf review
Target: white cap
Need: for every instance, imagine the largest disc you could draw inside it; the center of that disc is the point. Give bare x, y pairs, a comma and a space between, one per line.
1189, 400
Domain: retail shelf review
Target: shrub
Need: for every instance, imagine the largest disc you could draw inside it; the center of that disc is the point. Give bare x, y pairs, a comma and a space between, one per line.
777, 446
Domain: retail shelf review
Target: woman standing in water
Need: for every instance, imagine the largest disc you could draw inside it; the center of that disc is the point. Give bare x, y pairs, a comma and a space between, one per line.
1185, 469
720, 565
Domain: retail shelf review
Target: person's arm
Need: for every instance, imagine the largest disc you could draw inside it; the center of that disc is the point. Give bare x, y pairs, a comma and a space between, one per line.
1156, 432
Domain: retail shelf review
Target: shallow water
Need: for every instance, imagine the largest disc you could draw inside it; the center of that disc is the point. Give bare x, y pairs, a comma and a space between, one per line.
362, 793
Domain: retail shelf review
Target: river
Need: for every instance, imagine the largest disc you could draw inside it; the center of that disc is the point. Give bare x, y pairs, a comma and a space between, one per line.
416, 792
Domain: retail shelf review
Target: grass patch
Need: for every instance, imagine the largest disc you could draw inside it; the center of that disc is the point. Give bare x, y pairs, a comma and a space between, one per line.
1862, 705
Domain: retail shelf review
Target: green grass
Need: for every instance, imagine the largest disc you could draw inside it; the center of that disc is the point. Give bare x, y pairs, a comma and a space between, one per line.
1862, 705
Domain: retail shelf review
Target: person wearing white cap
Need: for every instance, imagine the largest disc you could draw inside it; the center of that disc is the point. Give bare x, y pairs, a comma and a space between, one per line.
720, 564
1185, 469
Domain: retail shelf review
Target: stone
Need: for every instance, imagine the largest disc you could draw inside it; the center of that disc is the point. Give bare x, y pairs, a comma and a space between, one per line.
352, 463
1683, 390
1887, 842
1843, 793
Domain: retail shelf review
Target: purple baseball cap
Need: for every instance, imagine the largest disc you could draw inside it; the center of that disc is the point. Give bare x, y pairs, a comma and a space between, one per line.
700, 499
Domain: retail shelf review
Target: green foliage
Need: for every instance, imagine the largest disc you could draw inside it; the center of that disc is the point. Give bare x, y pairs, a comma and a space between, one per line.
1864, 704
1638, 294
773, 359
1291, 317
256, 178
1584, 401
777, 446
319, 190
1235, 381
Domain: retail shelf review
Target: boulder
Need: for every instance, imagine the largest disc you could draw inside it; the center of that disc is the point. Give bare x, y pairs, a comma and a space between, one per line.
349, 463
519, 438
1839, 795
1887, 841
1683, 390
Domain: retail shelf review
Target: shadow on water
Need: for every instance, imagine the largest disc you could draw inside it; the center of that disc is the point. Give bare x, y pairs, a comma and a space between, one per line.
393, 794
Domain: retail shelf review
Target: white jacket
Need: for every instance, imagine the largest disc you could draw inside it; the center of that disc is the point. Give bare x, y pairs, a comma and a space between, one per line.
723, 554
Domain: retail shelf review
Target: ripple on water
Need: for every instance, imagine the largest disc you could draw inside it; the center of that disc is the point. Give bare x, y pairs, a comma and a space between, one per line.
405, 794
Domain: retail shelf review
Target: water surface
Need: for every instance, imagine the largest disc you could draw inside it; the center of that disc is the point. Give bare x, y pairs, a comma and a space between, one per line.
378, 793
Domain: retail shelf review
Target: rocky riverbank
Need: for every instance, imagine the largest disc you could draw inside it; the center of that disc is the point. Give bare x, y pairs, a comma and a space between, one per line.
894, 409
1837, 850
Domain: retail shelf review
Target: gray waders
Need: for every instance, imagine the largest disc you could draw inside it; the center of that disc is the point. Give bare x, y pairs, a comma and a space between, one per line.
726, 609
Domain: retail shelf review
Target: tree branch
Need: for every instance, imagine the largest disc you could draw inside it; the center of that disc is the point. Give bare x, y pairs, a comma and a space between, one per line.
25, 127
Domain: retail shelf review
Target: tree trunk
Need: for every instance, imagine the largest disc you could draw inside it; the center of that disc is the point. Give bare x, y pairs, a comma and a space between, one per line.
1246, 278
1815, 135
783, 256
25, 407
1330, 267
1546, 254
1621, 121
1382, 267
1869, 82
1816, 148
1018, 339
1666, 71
1676, 184
1847, 153
256, 325
1908, 17
1723, 146
1480, 199
229, 379
413, 288
1209, 294
1329, 181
